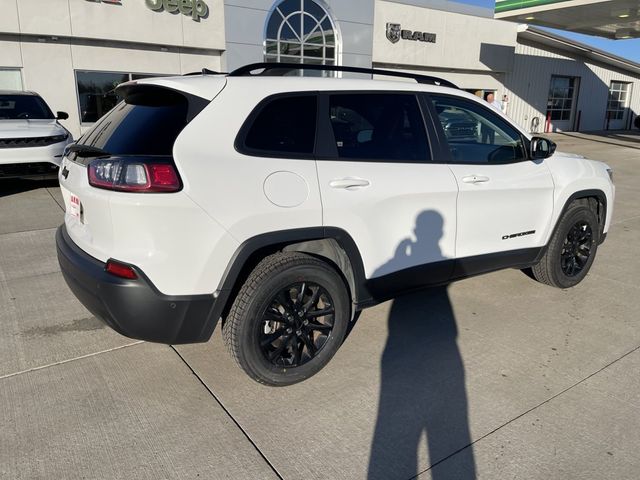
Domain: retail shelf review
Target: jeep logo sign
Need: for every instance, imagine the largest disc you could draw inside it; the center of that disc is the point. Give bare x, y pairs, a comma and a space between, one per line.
195, 9
395, 33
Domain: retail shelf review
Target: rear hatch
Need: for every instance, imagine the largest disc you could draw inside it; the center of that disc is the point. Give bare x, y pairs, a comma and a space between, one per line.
128, 156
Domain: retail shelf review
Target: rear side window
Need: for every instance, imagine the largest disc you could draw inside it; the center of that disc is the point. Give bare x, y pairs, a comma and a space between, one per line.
381, 127
144, 128
284, 125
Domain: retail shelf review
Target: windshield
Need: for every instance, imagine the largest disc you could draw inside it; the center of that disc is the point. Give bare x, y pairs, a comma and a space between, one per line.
24, 107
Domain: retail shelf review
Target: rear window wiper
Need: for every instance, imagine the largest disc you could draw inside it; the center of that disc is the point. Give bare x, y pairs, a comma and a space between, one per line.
84, 151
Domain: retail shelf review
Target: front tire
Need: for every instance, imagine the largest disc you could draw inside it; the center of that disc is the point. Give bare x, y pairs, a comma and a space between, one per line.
572, 248
288, 320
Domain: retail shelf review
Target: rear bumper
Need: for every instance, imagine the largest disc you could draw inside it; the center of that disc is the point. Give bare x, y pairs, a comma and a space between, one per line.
134, 308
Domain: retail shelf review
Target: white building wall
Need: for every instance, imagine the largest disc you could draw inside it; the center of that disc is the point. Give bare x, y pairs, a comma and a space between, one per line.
48, 40
464, 43
528, 85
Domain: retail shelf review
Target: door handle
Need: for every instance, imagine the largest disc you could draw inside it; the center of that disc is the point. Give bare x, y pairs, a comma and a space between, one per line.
475, 179
349, 183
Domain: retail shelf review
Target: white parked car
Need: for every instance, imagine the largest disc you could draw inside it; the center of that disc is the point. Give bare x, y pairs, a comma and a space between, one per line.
283, 205
32, 140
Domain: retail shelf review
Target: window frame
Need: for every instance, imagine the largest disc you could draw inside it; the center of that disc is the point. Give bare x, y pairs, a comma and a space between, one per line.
240, 144
574, 84
336, 45
628, 93
444, 143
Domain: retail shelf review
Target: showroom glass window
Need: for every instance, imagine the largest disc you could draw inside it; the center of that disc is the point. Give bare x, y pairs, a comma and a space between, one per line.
10, 79
96, 92
476, 134
301, 31
379, 127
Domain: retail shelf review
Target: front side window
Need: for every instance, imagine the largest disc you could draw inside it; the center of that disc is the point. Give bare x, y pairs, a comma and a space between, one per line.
475, 134
379, 127
284, 125
300, 31
24, 107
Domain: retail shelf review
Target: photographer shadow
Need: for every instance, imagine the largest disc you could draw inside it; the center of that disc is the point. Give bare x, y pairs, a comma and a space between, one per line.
422, 391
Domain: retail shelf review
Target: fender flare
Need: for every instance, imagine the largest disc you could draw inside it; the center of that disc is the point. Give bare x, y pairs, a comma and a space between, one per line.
602, 216
279, 240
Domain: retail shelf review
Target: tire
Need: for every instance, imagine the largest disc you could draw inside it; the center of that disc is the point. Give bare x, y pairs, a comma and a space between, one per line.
273, 330
572, 248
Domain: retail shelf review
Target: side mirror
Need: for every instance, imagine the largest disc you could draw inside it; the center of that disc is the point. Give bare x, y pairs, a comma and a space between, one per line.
541, 148
62, 116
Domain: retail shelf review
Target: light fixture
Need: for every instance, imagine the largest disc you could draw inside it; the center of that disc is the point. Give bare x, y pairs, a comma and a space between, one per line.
530, 18
624, 15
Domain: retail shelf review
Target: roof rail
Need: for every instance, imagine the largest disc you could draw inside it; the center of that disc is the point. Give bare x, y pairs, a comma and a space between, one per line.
204, 71
278, 69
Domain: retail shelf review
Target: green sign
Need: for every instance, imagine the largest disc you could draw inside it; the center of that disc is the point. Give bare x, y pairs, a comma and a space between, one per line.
507, 5
195, 9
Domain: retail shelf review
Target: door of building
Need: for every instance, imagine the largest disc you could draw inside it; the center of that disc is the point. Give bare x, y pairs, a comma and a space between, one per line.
561, 105
618, 106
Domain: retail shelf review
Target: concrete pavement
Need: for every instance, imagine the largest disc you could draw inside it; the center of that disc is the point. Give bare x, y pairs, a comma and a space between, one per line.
493, 377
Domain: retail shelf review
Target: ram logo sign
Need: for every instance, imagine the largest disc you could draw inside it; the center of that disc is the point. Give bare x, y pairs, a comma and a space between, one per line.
395, 33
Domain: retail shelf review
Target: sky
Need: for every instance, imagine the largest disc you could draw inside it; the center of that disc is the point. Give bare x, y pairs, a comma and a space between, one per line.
629, 49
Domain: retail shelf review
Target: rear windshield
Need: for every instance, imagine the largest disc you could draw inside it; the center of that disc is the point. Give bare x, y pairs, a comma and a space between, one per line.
140, 129
24, 107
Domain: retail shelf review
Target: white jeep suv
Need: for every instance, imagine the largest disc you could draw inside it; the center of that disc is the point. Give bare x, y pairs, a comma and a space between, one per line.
283, 205
31, 139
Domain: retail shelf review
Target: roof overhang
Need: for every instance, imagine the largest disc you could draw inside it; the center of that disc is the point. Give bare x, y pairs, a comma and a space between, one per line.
615, 19
557, 42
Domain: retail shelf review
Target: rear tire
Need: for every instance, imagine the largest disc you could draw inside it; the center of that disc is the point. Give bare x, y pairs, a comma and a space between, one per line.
572, 248
288, 320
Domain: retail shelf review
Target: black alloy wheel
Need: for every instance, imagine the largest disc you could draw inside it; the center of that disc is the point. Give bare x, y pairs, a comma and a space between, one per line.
289, 318
576, 249
296, 325
572, 247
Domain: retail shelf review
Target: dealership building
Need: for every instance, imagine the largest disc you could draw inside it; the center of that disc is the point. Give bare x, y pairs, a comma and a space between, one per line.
74, 52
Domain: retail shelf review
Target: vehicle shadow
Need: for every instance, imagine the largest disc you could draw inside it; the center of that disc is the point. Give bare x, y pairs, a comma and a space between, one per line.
422, 390
13, 186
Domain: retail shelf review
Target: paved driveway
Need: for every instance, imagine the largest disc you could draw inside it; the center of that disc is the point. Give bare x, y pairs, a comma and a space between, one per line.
493, 377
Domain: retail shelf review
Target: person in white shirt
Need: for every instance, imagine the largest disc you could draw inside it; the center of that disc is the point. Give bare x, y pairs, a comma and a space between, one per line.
488, 133
491, 100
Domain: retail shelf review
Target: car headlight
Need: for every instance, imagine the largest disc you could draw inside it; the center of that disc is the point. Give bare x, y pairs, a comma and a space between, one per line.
610, 172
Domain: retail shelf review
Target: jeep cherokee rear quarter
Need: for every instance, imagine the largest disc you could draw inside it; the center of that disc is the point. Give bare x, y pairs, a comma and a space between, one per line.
283, 205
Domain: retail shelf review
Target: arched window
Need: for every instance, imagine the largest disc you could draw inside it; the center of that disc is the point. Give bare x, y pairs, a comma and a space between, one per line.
301, 31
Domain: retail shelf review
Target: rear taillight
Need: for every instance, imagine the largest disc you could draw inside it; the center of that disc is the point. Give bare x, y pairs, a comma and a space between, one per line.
133, 175
121, 270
